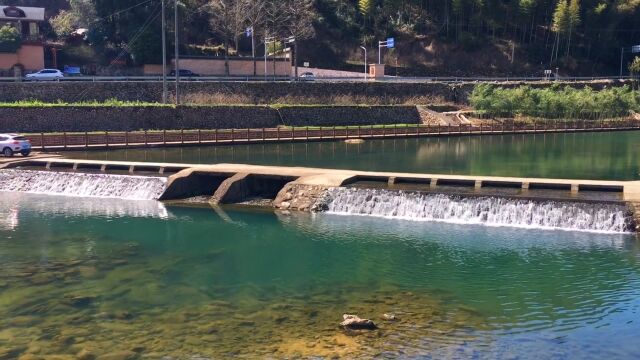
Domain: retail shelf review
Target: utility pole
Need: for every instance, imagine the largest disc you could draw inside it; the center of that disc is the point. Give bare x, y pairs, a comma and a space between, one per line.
164, 56
621, 56
365, 61
177, 55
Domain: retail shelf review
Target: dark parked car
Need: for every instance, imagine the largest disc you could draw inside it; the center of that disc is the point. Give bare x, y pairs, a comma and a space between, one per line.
184, 73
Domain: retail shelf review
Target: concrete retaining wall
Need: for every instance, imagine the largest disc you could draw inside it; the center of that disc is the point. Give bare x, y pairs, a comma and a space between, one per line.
85, 118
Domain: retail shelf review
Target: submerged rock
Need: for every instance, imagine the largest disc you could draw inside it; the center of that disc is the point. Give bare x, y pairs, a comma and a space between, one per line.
389, 317
119, 355
85, 354
356, 323
78, 300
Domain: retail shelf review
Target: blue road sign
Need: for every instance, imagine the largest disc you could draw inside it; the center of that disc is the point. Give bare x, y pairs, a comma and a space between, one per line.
635, 49
391, 42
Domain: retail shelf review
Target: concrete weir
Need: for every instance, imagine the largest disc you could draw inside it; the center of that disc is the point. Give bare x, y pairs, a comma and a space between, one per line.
298, 188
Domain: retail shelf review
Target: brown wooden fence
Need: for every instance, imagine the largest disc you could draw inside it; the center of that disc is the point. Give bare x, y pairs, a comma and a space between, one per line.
118, 139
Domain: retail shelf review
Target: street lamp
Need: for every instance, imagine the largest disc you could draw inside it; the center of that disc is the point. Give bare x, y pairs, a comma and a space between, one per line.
267, 40
289, 40
177, 55
164, 55
365, 61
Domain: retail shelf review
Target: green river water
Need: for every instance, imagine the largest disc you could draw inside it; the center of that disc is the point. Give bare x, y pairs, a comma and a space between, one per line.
608, 155
118, 279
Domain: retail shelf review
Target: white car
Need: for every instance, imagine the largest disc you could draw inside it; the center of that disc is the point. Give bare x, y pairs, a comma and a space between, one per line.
45, 74
14, 143
307, 76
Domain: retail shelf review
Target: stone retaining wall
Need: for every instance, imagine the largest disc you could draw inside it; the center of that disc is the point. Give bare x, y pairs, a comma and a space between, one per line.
262, 93
130, 118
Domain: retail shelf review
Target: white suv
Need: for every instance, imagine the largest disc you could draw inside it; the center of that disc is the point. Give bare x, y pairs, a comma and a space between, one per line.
14, 143
45, 74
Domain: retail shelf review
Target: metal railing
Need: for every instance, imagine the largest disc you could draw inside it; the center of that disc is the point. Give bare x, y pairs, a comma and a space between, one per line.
126, 139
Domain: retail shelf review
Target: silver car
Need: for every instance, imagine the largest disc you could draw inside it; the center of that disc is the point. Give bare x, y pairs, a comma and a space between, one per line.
14, 143
44, 75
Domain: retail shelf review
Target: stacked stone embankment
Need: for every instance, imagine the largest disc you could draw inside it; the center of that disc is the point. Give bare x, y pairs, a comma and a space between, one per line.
267, 93
132, 118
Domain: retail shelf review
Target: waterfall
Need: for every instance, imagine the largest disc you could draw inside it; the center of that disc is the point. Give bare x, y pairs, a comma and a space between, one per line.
486, 210
82, 184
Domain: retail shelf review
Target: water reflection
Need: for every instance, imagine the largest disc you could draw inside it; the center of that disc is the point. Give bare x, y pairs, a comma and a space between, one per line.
611, 155
14, 203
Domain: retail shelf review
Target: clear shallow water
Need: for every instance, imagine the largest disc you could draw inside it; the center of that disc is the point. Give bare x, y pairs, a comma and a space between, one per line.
110, 275
607, 155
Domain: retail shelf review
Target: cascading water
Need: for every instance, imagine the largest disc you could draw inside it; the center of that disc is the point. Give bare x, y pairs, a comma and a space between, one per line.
82, 184
491, 211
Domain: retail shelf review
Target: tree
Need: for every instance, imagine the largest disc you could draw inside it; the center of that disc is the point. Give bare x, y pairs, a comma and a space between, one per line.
82, 14
228, 19
634, 67
560, 24
366, 9
256, 14
10, 40
573, 16
299, 24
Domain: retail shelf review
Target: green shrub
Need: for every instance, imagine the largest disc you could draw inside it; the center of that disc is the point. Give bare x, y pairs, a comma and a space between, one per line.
555, 101
10, 40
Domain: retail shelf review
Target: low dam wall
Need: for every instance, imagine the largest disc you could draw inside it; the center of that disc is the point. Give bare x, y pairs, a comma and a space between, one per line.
503, 201
133, 118
319, 92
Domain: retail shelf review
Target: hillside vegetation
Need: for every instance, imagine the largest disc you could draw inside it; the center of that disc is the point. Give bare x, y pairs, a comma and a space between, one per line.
434, 37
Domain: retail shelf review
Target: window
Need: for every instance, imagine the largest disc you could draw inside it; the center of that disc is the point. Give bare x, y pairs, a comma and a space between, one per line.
19, 138
12, 11
33, 29
3, 138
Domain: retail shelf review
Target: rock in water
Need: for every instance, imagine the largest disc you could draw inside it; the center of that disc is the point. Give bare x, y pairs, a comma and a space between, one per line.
389, 317
355, 323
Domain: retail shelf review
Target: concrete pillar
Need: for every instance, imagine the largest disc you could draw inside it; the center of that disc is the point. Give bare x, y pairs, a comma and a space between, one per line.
376, 71
478, 184
525, 186
392, 180
232, 190
434, 183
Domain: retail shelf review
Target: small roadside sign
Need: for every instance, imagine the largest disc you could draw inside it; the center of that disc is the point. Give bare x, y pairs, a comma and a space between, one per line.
391, 43
305, 64
635, 49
